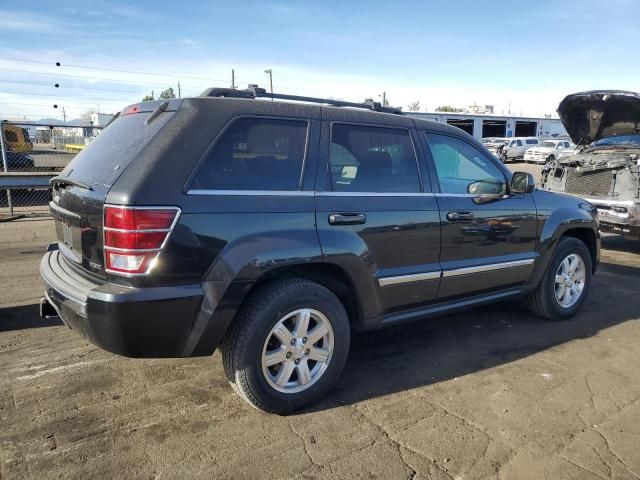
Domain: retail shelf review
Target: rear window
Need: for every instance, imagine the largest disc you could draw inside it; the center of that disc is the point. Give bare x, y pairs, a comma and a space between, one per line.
256, 154
107, 155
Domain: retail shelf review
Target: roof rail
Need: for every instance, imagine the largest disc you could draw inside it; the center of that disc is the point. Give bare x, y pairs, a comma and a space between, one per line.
253, 91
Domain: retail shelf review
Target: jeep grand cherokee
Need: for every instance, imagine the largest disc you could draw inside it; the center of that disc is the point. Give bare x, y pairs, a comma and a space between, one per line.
274, 229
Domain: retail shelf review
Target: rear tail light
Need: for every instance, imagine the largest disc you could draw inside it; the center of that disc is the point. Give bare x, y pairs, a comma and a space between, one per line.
134, 236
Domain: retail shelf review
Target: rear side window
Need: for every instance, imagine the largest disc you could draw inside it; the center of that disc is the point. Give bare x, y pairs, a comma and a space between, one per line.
256, 154
532, 141
519, 142
372, 159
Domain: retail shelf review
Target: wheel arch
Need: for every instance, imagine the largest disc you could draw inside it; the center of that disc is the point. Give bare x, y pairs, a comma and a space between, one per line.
576, 222
329, 275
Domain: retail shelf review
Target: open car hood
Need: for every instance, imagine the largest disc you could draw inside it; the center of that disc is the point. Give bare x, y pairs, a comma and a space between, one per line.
590, 116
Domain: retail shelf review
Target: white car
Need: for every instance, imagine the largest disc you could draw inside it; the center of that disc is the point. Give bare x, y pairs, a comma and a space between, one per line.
515, 147
548, 151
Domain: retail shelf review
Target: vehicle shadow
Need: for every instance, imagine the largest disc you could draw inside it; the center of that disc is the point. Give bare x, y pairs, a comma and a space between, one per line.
24, 317
443, 348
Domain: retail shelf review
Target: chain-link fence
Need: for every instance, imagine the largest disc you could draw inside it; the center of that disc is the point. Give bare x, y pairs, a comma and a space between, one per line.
30, 153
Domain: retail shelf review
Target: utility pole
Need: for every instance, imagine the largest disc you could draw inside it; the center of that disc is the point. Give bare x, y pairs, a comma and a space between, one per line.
384, 99
64, 115
233, 78
179, 91
270, 73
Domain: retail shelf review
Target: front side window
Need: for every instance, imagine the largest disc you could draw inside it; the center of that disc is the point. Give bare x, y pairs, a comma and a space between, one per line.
463, 169
256, 154
372, 159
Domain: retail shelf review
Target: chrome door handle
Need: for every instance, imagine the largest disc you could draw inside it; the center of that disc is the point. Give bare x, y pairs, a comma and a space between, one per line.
460, 216
347, 218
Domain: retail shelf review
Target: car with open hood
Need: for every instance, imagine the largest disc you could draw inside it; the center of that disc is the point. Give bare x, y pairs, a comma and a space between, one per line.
605, 169
548, 150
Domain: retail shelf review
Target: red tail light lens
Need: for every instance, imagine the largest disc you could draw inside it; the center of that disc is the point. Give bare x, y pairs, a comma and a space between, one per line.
134, 236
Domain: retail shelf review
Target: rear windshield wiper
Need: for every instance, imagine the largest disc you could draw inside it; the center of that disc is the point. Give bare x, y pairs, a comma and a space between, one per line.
61, 180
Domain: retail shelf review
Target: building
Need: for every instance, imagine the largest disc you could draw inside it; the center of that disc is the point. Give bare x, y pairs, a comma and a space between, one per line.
484, 125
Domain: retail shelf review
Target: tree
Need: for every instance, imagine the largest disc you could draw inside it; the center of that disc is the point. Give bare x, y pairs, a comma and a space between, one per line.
148, 98
168, 93
448, 108
86, 116
414, 106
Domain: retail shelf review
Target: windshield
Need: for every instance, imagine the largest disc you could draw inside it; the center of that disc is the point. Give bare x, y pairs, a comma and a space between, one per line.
548, 144
633, 140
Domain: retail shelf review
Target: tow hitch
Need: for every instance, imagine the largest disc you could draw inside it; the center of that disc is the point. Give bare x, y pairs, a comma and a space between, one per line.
46, 309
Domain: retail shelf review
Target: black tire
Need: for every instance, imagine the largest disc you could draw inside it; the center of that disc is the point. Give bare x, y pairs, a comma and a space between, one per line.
542, 301
243, 346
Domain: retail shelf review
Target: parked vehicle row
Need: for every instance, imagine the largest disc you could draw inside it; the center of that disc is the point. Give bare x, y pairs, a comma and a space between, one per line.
285, 226
548, 151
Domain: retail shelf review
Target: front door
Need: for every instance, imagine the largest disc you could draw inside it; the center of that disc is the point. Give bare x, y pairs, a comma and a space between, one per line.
374, 218
488, 237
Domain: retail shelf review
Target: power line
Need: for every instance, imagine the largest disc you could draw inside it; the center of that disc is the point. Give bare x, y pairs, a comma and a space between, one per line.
64, 96
13, 70
50, 105
57, 85
102, 69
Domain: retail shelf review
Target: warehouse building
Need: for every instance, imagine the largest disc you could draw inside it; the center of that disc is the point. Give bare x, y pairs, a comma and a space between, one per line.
482, 125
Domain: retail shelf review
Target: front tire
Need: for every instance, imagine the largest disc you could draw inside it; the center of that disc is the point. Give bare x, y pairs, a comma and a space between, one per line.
288, 345
565, 284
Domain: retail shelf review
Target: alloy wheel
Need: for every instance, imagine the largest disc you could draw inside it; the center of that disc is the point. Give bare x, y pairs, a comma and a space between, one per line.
569, 281
297, 350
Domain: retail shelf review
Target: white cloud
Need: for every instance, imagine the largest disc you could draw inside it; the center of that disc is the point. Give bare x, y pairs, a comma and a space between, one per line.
14, 20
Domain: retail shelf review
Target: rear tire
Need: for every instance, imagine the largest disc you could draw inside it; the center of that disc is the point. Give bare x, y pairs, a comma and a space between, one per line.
271, 355
550, 300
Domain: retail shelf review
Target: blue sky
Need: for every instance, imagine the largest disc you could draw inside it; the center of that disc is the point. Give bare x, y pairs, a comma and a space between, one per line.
439, 52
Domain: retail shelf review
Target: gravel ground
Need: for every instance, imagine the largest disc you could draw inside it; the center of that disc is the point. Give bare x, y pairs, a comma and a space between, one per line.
493, 392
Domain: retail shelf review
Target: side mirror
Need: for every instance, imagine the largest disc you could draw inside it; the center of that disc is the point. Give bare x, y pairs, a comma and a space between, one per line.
487, 186
522, 182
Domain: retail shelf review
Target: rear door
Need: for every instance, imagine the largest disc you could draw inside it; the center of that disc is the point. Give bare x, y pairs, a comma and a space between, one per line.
375, 215
488, 237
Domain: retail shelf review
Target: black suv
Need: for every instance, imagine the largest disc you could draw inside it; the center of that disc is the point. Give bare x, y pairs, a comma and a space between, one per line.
276, 228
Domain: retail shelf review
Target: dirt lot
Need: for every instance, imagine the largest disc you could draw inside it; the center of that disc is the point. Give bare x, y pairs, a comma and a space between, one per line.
489, 393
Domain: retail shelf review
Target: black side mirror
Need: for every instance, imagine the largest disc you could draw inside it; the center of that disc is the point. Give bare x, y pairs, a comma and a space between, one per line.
522, 182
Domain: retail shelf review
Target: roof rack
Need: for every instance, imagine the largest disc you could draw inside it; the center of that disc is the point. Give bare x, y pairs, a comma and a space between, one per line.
253, 91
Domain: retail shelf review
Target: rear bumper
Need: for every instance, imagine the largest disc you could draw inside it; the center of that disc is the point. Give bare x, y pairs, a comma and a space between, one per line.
133, 322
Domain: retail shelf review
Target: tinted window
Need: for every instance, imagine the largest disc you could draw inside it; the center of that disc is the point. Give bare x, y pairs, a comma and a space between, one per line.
532, 141
372, 159
459, 165
256, 154
519, 143
107, 156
